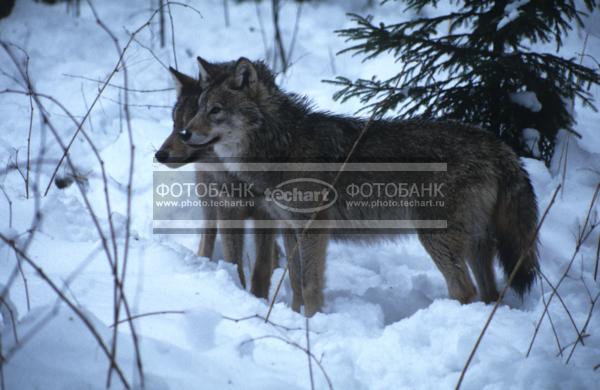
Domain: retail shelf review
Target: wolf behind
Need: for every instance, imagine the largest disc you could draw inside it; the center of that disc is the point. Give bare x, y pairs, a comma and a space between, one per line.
174, 153
490, 205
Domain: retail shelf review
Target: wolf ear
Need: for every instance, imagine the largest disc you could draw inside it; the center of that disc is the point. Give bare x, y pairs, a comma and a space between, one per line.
182, 81
245, 75
206, 70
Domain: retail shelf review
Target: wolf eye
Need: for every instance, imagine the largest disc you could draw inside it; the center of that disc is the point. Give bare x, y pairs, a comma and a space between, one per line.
215, 110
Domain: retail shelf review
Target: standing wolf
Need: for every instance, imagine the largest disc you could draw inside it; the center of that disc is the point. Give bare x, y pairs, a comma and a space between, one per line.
490, 205
175, 153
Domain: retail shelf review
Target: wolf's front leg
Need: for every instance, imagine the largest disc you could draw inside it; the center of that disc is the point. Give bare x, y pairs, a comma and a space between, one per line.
209, 236
313, 249
233, 251
210, 215
290, 243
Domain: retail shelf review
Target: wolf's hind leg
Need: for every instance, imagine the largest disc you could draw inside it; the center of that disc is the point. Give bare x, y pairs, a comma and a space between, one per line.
313, 249
263, 267
446, 250
481, 260
290, 242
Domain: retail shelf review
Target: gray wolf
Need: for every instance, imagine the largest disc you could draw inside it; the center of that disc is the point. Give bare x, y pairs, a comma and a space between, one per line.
490, 205
175, 153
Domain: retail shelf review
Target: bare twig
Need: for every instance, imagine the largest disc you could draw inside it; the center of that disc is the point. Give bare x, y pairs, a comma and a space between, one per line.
119, 86
151, 52
275, 9
105, 84
331, 60
154, 313
226, 12
256, 316
2, 385
161, 21
597, 258
550, 319
261, 26
88, 324
11, 314
119, 293
10, 209
560, 299
19, 266
29, 147
46, 319
505, 289
16, 165
81, 123
296, 29
172, 35
47, 122
310, 371
296, 345
136, 105
96, 152
582, 334
584, 232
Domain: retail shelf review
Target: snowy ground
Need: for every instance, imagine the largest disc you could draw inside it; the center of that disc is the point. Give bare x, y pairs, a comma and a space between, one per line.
387, 322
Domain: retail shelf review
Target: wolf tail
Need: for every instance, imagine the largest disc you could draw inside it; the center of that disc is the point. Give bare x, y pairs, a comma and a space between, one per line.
515, 223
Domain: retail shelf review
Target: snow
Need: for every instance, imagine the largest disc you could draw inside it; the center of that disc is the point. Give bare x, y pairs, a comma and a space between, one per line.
387, 321
527, 99
531, 138
511, 12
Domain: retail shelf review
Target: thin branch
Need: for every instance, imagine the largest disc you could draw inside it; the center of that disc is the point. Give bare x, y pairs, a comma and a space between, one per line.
310, 370
261, 26
505, 289
10, 209
550, 319
583, 235
226, 12
153, 313
28, 167
13, 321
161, 21
275, 9
105, 84
256, 316
88, 324
120, 86
597, 258
560, 299
172, 35
119, 293
296, 345
582, 334
151, 52
296, 29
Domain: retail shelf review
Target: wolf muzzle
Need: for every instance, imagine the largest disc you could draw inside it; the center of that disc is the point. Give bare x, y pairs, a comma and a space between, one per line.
195, 140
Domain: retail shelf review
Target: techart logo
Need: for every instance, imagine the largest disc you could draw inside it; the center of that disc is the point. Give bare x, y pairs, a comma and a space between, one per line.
302, 195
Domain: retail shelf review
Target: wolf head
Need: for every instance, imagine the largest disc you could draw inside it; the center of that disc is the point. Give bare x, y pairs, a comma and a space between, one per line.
176, 150
173, 152
230, 107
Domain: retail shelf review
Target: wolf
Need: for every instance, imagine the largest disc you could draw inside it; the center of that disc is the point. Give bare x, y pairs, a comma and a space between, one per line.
175, 153
490, 206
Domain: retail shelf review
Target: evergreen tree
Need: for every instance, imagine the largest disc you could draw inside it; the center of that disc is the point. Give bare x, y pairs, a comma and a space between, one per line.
476, 65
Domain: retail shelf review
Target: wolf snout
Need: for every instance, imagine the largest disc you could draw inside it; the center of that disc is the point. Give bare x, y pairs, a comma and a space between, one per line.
161, 156
196, 140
